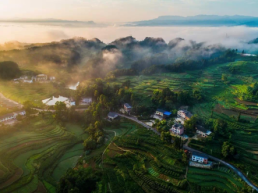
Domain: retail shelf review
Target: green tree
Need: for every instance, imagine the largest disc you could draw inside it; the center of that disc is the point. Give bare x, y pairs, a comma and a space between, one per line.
80, 180
190, 124
166, 137
28, 106
184, 158
224, 77
89, 144
9, 70
227, 150
61, 112
177, 142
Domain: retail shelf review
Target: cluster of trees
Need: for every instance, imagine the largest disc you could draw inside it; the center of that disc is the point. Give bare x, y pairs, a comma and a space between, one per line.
121, 72
251, 93
80, 180
161, 126
111, 97
190, 125
168, 99
63, 114
183, 64
9, 70
228, 150
96, 136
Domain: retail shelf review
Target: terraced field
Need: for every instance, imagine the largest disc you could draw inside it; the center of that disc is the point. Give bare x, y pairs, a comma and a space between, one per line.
35, 156
221, 178
140, 159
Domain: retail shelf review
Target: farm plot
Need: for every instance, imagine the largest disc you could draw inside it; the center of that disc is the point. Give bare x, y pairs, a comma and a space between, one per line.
220, 178
34, 151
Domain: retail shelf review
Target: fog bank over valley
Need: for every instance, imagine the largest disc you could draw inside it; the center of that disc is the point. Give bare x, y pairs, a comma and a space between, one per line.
230, 37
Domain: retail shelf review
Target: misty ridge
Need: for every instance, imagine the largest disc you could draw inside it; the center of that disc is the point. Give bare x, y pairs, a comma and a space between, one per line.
93, 58
199, 20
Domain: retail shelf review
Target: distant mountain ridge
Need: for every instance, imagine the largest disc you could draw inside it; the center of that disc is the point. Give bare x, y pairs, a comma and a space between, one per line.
52, 21
199, 20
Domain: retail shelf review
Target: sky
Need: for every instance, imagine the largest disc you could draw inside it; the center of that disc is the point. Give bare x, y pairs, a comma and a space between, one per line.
103, 11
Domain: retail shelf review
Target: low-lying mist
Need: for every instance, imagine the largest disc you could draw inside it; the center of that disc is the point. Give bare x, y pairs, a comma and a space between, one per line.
55, 51
230, 37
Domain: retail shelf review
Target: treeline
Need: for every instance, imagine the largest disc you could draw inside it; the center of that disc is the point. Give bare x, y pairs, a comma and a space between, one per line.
185, 65
9, 70
142, 67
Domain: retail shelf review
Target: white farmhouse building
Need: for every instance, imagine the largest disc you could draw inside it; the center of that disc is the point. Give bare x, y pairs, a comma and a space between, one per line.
53, 100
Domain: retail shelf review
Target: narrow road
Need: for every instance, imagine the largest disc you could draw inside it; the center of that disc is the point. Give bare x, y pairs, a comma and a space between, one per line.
140, 122
238, 172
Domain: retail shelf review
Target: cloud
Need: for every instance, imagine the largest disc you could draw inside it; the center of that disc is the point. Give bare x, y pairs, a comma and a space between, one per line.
56, 35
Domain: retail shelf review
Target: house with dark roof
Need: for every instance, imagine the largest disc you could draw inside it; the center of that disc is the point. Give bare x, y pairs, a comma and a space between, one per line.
127, 108
112, 115
202, 131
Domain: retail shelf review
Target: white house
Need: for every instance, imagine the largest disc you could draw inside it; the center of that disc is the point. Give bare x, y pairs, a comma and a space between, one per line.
28, 81
86, 101
53, 100
199, 157
202, 131
127, 108
52, 78
112, 115
40, 77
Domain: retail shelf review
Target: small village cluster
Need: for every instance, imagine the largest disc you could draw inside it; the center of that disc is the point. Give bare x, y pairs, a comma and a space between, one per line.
32, 79
196, 159
160, 114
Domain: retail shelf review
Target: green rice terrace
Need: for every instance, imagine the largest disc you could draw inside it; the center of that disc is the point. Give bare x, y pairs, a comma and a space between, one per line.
35, 156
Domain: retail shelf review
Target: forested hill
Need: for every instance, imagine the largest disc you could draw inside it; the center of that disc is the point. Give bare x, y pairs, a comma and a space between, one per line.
94, 58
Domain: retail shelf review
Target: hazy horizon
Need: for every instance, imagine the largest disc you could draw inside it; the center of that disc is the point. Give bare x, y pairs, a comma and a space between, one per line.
122, 11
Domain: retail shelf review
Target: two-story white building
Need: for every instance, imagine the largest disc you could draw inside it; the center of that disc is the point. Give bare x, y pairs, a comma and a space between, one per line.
199, 157
53, 100
177, 129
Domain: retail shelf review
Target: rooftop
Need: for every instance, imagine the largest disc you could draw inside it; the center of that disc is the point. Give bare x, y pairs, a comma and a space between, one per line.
112, 114
200, 154
127, 105
179, 126
201, 128
164, 112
